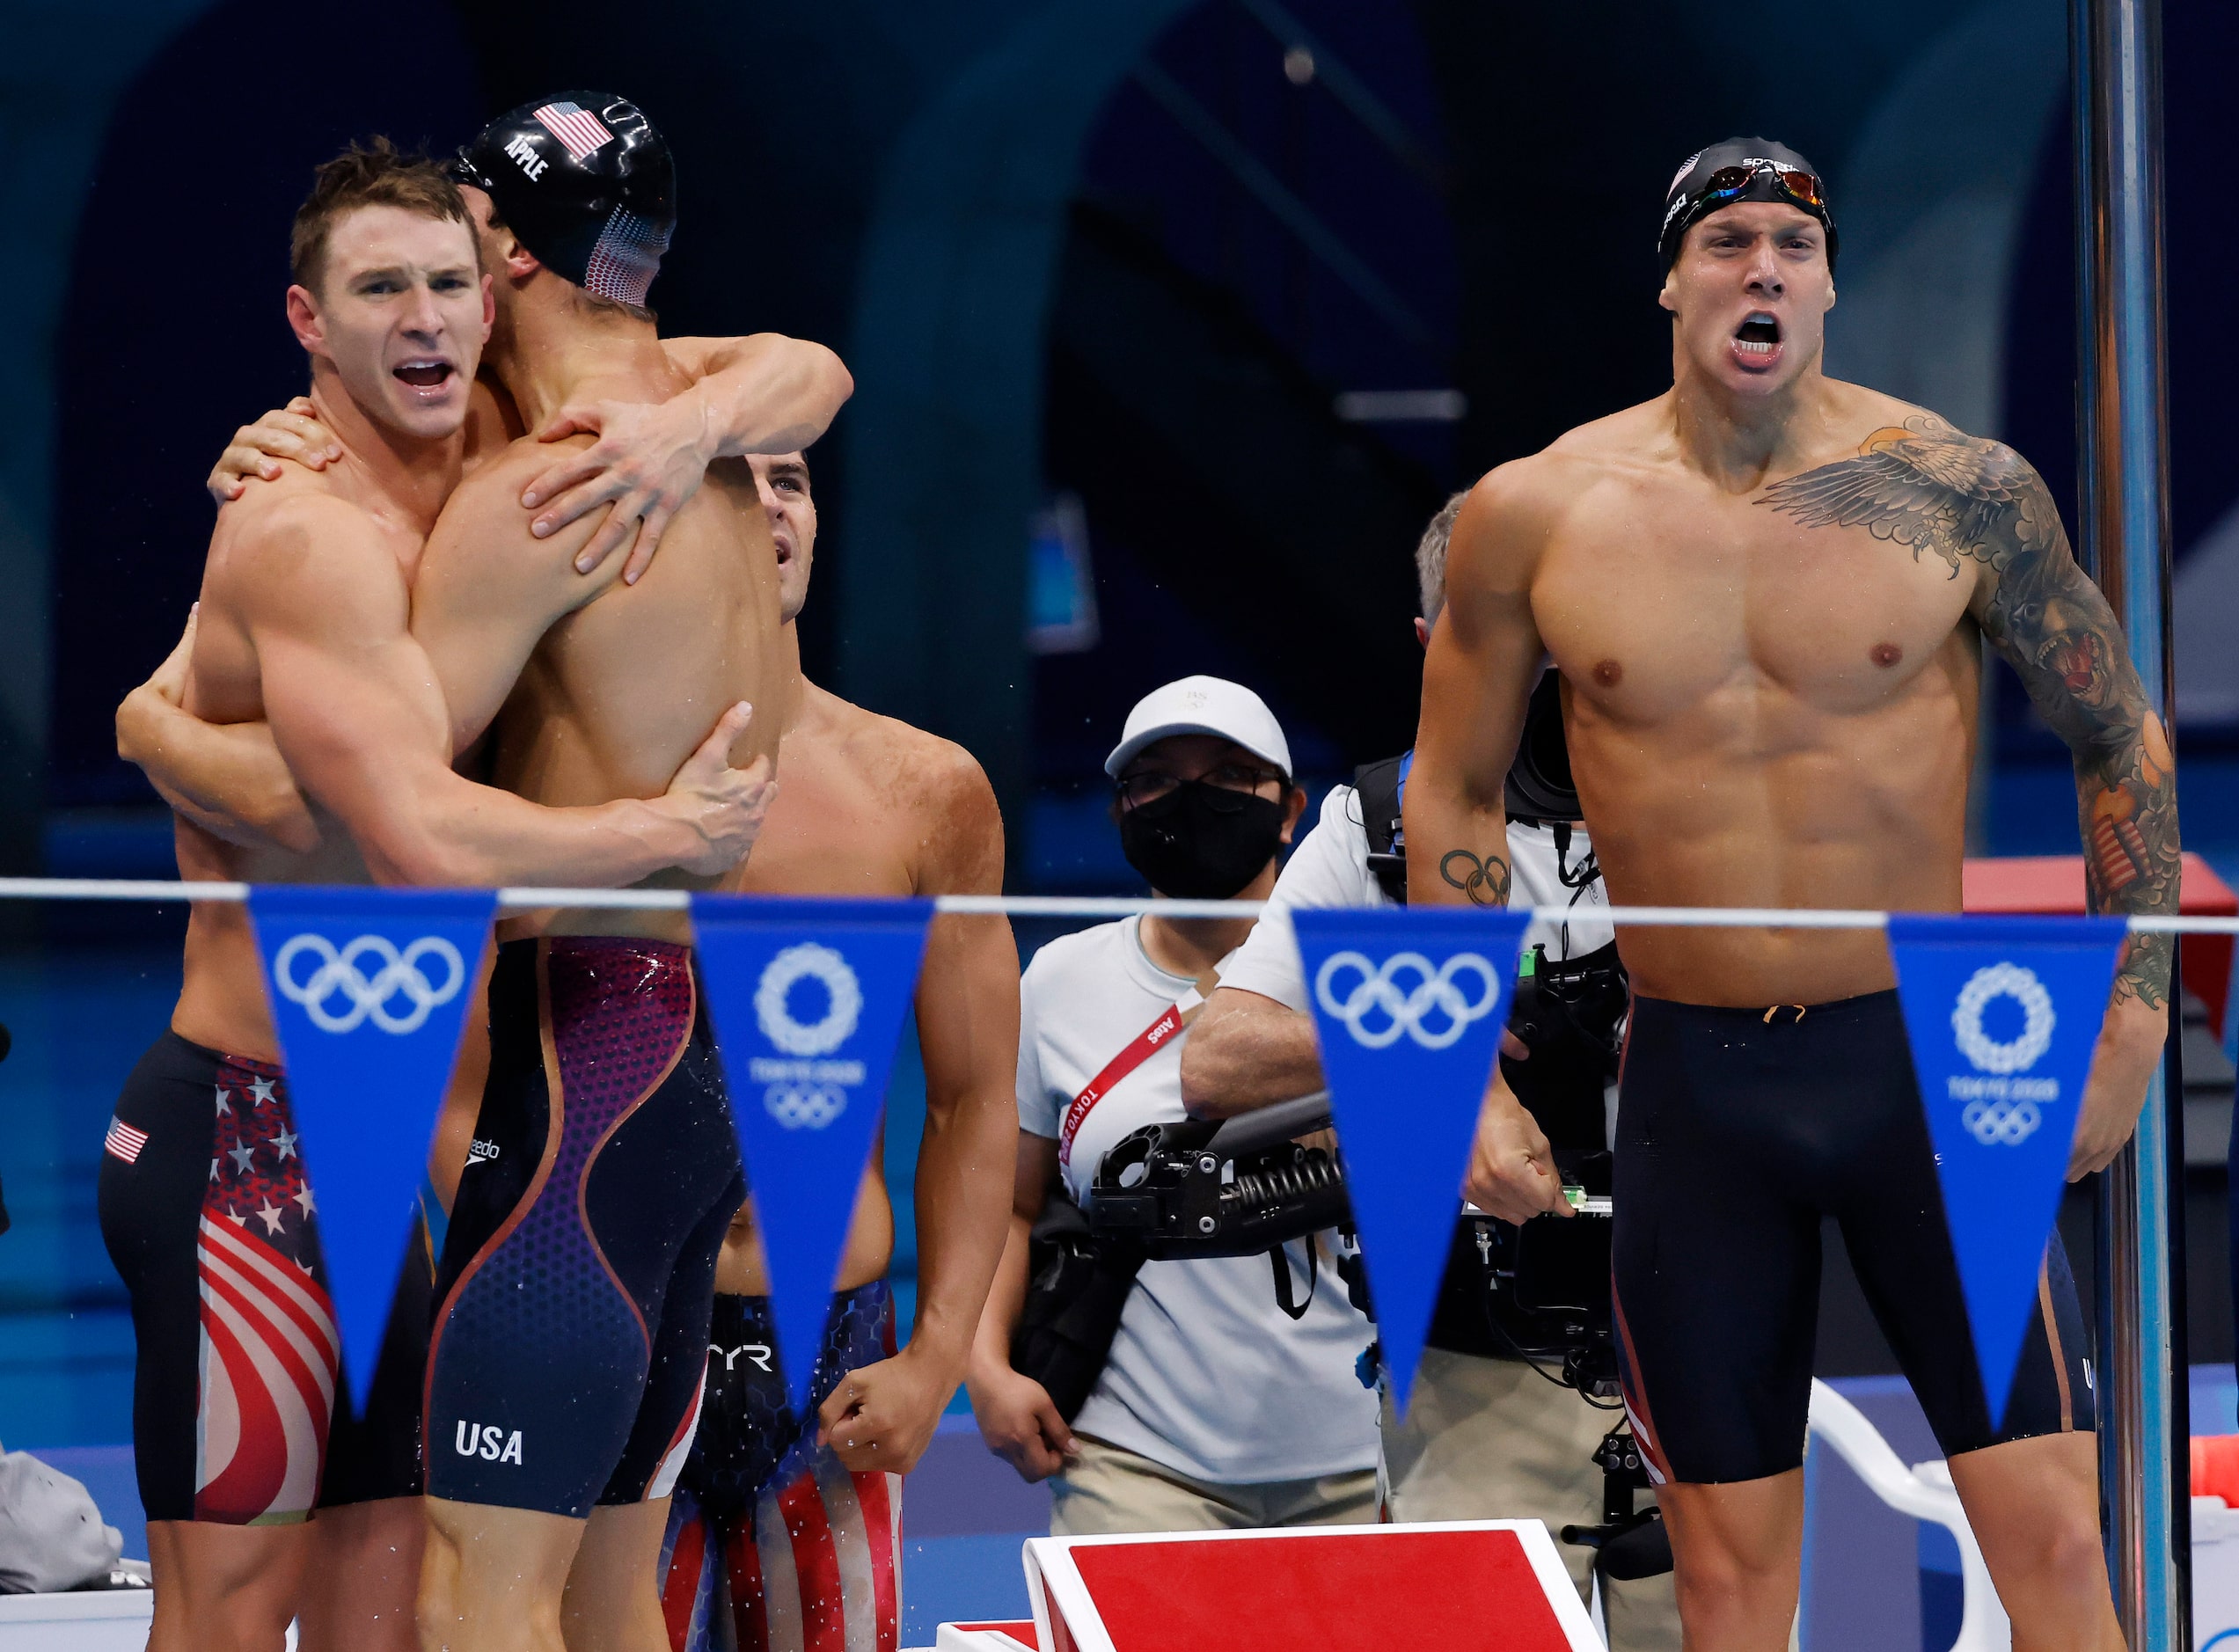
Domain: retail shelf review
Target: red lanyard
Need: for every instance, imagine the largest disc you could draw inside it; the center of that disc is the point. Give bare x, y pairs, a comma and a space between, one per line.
1140, 1049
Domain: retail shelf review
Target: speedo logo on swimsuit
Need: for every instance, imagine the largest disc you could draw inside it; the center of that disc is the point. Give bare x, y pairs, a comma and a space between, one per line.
757, 1354
480, 1151
488, 1442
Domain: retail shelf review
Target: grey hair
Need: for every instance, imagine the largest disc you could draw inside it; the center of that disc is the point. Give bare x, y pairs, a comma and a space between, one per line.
1431, 558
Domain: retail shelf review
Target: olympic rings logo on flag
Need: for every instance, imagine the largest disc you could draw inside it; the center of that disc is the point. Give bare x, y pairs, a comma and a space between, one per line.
2003, 981
808, 962
2002, 1123
1378, 991
368, 996
808, 1107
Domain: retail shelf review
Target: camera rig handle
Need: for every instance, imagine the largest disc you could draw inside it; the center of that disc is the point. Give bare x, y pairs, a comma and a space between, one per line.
1267, 1127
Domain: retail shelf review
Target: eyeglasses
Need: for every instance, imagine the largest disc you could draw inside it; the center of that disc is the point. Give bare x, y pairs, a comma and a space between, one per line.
1228, 785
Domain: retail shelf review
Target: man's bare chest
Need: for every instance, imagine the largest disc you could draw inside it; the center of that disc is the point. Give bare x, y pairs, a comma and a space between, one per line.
831, 831
1655, 603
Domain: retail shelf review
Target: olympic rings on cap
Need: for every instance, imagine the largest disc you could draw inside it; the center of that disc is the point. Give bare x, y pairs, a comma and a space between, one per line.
2003, 981
2002, 1123
814, 962
799, 1107
1434, 992
368, 996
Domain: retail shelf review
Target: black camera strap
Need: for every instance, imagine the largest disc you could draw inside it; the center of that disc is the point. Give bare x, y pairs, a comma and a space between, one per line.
1282, 1266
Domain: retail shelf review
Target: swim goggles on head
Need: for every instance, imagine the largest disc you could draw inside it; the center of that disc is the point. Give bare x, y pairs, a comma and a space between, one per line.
1729, 184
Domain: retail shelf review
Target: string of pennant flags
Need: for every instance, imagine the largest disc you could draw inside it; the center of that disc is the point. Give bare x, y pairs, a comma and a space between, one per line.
369, 990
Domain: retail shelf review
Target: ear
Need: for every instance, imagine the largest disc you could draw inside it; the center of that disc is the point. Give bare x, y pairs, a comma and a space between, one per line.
489, 305
303, 320
1294, 806
518, 261
1665, 297
1421, 632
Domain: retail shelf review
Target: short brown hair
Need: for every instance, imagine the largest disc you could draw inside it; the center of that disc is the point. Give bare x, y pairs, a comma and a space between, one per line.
375, 174
1430, 556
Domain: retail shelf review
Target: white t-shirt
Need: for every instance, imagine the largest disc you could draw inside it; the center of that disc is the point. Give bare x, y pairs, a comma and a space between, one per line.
1330, 869
1208, 1376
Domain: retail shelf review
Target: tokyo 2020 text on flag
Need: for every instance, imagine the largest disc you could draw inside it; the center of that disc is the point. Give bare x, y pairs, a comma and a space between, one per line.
1408, 1004
808, 998
2002, 1015
368, 990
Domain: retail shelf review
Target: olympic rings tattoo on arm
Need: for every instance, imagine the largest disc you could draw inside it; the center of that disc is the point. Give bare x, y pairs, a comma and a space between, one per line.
1484, 882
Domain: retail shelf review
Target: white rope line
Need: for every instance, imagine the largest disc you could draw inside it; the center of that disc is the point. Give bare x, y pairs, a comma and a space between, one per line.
1075, 906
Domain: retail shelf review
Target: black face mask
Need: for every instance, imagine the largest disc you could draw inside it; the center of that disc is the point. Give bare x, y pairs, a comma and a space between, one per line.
1199, 842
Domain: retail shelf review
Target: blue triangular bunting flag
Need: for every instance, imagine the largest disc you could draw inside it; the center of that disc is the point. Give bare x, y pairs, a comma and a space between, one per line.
1408, 1004
808, 998
2002, 1015
368, 990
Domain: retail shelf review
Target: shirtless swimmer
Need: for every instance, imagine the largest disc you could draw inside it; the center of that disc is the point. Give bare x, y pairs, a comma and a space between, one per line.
1767, 592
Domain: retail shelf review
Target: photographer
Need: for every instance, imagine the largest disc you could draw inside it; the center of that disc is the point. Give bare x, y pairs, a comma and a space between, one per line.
1490, 1435
1217, 1406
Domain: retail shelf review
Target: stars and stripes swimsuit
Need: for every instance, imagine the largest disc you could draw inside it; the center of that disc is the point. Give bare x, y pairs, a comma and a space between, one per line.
208, 1215
773, 1545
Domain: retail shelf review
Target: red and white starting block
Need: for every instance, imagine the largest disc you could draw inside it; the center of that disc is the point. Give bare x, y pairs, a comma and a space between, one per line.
1462, 1586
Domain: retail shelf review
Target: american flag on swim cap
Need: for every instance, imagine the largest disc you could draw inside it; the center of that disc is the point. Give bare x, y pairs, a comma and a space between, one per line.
582, 131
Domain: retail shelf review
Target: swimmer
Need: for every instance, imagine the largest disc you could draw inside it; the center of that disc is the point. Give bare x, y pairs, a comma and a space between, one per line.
870, 806
393, 308
1767, 592
577, 1277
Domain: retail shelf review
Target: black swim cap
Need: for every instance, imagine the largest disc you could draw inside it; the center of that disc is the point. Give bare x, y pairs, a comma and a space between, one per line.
1740, 169
586, 182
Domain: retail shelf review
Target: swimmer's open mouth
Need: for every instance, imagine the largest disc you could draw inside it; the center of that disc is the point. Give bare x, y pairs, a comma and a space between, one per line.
426, 375
1758, 339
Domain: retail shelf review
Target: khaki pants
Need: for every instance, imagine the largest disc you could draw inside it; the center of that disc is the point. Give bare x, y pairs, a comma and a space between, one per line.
1108, 1490
1491, 1439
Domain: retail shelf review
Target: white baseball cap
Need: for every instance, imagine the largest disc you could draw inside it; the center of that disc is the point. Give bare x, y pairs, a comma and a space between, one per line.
1201, 705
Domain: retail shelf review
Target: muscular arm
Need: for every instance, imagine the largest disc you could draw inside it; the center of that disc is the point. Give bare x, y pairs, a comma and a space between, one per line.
356, 713
1980, 507
1015, 1415
763, 393
967, 1027
2051, 624
1245, 1051
228, 778
1476, 684
1477, 681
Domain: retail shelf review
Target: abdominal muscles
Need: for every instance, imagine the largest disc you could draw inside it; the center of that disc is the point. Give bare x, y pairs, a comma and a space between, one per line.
1782, 806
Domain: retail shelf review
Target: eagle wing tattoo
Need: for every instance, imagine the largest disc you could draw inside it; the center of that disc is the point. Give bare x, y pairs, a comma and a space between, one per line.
1928, 487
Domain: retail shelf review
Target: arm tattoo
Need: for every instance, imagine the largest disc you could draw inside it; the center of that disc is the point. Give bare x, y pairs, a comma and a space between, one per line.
1928, 487
1485, 882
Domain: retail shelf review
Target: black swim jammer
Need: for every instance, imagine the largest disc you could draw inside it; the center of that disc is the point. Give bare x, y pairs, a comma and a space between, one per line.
1738, 1131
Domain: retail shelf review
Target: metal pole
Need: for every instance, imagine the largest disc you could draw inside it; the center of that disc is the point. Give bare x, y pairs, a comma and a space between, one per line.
2123, 499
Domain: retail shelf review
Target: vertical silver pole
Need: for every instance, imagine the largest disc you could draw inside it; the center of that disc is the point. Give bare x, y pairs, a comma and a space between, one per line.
2123, 488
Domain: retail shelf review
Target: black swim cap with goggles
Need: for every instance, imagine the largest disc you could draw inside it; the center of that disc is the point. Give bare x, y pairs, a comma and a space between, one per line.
1740, 169
586, 182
